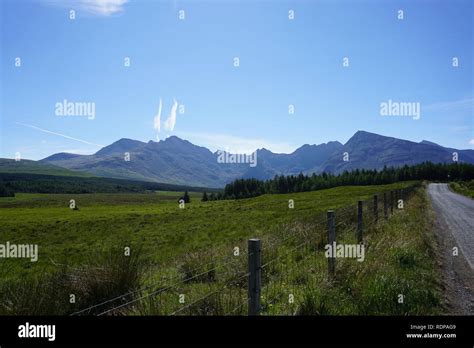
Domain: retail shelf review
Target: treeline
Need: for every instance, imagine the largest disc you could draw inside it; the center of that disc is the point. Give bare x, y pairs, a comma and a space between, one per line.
212, 197
11, 183
246, 188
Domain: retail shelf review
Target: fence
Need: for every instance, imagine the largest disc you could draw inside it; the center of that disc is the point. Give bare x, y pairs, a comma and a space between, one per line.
256, 276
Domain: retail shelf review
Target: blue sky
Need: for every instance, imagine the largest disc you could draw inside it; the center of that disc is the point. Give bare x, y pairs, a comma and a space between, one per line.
282, 62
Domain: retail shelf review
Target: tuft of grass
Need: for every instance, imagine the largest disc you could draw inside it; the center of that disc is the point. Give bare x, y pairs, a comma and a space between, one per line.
51, 293
198, 267
43, 294
112, 275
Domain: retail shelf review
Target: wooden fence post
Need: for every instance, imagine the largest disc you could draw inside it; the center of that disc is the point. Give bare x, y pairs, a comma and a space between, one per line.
255, 276
359, 222
331, 239
385, 212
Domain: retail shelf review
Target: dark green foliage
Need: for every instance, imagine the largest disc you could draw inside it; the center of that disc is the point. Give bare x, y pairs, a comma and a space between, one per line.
247, 188
204, 197
186, 197
6, 191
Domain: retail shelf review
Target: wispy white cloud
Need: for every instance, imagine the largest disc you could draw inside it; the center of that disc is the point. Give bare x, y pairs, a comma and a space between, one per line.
471, 142
157, 119
171, 120
235, 144
58, 134
93, 7
455, 105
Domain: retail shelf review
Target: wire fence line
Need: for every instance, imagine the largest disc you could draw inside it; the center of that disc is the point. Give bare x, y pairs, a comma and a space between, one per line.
236, 284
158, 287
348, 225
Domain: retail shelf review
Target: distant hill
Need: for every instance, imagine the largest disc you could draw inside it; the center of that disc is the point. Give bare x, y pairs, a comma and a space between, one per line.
62, 156
38, 167
177, 161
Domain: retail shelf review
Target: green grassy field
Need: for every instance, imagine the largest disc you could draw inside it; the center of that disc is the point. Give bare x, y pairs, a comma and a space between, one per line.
193, 248
153, 220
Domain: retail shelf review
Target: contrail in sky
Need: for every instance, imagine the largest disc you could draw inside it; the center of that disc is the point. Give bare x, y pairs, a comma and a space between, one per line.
58, 134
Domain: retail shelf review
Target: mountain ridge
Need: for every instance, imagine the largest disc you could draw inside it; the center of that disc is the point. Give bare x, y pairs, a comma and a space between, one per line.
178, 161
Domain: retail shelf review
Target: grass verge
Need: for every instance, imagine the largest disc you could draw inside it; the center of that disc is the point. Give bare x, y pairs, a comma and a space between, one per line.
465, 188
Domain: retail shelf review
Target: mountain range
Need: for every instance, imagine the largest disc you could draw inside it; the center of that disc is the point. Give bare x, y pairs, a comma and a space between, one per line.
177, 161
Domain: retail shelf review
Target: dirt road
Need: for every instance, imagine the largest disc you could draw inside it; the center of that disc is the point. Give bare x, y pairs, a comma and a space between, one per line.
455, 228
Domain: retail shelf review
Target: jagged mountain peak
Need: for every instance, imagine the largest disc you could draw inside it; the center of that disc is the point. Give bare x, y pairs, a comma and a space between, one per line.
120, 146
